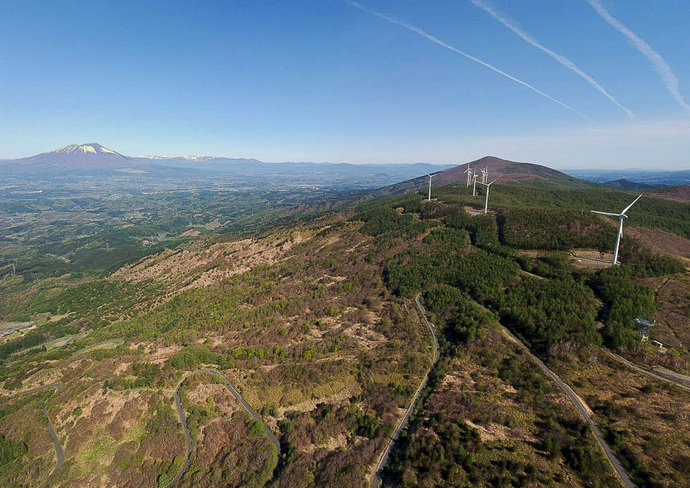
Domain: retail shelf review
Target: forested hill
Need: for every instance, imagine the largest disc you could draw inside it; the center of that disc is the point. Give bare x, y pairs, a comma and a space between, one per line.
496, 168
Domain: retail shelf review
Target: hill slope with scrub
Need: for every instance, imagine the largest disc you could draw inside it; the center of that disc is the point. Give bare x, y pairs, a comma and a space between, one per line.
313, 323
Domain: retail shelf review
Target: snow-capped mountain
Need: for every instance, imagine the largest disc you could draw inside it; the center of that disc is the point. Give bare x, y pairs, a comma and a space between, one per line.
91, 148
92, 157
75, 157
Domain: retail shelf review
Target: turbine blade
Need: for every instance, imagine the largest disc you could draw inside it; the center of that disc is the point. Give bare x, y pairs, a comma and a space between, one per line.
426, 173
628, 207
606, 213
495, 180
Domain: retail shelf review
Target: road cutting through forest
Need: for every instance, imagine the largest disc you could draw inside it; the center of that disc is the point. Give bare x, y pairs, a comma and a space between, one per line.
677, 379
376, 480
576, 401
581, 408
188, 436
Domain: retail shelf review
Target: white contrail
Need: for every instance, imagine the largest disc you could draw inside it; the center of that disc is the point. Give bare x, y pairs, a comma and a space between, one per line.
660, 66
461, 53
561, 59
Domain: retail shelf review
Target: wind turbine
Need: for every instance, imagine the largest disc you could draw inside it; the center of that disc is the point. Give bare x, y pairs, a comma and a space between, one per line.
620, 216
487, 185
485, 176
468, 171
430, 176
474, 185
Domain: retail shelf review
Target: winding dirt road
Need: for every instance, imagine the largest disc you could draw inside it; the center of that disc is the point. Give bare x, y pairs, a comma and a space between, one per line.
622, 474
51, 431
190, 443
376, 480
681, 381
58, 448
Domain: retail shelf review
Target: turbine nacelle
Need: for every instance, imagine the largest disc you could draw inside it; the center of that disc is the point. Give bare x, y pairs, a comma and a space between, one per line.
485, 175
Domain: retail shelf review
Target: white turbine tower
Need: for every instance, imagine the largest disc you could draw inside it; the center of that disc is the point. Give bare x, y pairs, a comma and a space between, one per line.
620, 216
468, 171
485, 176
430, 176
487, 185
474, 184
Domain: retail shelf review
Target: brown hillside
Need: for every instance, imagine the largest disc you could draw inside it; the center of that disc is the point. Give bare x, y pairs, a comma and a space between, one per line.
674, 193
661, 242
507, 171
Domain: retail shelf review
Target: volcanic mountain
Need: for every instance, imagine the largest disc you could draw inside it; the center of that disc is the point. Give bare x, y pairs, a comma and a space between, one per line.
76, 157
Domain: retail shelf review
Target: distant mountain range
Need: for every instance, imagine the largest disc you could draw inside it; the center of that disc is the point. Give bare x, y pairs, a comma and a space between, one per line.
95, 159
626, 178
95, 162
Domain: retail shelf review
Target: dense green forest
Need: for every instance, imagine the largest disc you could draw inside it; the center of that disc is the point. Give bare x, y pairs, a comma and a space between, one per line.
648, 211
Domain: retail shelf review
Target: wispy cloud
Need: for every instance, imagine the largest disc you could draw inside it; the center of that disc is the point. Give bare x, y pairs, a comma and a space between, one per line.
439, 42
660, 66
558, 57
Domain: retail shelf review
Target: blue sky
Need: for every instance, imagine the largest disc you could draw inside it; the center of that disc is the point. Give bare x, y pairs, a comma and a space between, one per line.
567, 84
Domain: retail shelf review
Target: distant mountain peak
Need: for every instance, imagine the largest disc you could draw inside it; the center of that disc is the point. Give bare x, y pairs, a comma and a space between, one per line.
194, 158
75, 157
509, 172
90, 148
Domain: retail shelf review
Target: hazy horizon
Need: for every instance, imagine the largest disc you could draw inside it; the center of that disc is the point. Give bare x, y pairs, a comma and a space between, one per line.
588, 85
